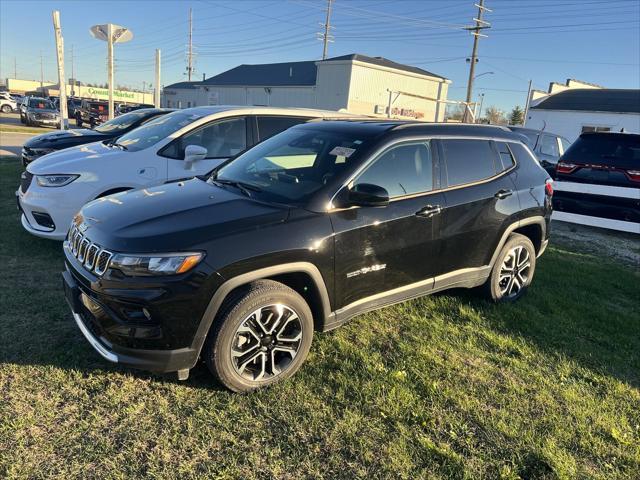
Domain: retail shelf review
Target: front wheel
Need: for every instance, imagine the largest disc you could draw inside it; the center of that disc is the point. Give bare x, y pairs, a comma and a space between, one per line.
6, 109
262, 335
513, 271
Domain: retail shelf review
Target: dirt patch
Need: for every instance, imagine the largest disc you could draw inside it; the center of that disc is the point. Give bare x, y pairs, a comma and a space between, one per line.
621, 246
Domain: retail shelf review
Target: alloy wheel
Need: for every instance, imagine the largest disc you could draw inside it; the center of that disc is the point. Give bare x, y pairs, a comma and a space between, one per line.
266, 342
514, 272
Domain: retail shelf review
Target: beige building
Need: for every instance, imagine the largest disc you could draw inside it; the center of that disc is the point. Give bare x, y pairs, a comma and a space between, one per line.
354, 83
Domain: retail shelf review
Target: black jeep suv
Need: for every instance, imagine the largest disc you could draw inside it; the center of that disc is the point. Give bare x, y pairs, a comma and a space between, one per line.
300, 233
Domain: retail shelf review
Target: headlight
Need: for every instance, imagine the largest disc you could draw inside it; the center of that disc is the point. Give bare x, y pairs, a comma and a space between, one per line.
155, 264
42, 151
55, 180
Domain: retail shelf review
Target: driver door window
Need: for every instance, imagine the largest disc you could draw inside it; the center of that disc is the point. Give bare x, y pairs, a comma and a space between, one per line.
222, 139
402, 170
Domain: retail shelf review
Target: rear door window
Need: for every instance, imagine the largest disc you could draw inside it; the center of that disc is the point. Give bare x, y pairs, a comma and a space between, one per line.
268, 126
222, 139
549, 146
468, 161
505, 155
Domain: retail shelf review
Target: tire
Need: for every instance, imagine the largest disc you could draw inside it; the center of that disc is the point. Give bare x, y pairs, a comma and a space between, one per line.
21, 119
504, 285
6, 109
235, 326
78, 121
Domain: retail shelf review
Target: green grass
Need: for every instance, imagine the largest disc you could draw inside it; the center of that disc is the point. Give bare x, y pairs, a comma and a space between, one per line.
447, 386
20, 129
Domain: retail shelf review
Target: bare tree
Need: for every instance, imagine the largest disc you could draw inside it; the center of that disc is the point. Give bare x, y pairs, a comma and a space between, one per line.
495, 116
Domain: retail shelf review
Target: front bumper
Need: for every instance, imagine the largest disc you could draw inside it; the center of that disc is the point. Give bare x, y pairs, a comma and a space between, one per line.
145, 359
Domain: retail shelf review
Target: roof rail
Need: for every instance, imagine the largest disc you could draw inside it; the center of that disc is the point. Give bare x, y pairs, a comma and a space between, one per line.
455, 125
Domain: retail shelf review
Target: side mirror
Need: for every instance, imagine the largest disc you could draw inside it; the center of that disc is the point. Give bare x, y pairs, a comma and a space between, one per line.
363, 195
193, 153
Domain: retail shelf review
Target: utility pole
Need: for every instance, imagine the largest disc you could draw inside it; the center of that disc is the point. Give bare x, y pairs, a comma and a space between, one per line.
15, 68
327, 27
475, 31
73, 75
41, 74
190, 55
62, 83
526, 105
156, 92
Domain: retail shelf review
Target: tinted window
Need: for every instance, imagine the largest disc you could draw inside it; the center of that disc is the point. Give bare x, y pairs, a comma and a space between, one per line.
549, 146
402, 170
120, 123
269, 126
468, 161
222, 139
506, 158
622, 150
294, 164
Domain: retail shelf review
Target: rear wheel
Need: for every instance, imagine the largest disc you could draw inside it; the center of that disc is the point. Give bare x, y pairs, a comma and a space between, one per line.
6, 109
513, 271
261, 336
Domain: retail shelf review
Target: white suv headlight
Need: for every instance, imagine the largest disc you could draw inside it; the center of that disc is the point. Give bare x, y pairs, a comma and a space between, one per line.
55, 180
155, 264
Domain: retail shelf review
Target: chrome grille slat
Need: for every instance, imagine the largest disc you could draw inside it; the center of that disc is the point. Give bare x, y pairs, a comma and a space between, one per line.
94, 258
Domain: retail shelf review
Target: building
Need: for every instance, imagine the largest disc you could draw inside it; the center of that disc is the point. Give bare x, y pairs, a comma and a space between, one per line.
575, 107
15, 85
354, 83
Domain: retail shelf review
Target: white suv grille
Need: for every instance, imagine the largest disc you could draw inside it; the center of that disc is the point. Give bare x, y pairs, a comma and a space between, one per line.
92, 256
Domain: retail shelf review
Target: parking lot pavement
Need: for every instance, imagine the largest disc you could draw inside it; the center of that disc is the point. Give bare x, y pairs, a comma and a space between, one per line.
13, 120
11, 142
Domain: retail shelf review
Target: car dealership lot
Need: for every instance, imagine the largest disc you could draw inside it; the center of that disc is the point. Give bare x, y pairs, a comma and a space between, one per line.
446, 386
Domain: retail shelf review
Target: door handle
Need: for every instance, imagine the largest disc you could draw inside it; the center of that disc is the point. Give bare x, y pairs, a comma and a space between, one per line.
500, 194
429, 211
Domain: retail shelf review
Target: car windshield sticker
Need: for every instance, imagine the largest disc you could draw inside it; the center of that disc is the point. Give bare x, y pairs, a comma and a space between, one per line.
342, 151
41, 105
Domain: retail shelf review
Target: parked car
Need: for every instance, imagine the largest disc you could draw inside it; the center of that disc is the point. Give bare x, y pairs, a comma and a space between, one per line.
601, 158
22, 108
72, 105
46, 143
548, 147
300, 233
7, 103
92, 113
122, 108
176, 146
40, 111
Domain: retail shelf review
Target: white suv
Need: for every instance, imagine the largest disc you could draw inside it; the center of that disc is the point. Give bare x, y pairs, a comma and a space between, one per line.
7, 103
180, 145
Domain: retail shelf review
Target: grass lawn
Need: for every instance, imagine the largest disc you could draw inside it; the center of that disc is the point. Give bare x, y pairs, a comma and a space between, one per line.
448, 386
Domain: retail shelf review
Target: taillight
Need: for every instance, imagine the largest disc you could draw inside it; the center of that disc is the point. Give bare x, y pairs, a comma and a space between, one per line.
548, 187
633, 175
563, 167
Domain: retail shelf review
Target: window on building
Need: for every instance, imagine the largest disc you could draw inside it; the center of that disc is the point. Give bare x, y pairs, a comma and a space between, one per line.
222, 139
593, 128
402, 170
269, 126
188, 104
549, 146
468, 161
506, 158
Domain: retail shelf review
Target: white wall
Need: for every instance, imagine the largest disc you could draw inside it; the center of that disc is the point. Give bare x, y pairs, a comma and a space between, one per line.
569, 123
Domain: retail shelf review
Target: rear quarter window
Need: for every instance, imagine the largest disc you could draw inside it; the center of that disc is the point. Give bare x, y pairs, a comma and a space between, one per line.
468, 161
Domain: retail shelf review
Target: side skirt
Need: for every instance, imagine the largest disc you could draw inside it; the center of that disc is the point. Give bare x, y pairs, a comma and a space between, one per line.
465, 278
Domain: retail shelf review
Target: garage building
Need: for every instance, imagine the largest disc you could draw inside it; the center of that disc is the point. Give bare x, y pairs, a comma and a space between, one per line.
354, 83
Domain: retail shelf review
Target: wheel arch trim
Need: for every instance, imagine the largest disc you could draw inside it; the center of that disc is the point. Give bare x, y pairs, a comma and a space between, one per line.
536, 220
245, 278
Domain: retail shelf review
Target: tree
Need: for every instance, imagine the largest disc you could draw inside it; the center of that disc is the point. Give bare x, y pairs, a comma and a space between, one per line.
516, 117
494, 116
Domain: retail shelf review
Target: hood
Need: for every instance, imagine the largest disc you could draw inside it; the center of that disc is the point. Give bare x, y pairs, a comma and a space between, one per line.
61, 138
174, 216
74, 159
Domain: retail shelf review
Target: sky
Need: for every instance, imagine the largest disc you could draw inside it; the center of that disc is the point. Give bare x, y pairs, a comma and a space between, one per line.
545, 41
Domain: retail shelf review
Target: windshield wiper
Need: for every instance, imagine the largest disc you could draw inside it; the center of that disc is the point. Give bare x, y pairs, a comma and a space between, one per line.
123, 147
242, 186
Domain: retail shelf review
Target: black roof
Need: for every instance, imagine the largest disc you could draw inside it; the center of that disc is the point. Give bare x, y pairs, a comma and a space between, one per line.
593, 100
183, 85
384, 62
293, 73
414, 128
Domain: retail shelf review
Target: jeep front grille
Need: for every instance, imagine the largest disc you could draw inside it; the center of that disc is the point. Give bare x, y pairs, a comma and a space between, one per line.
93, 257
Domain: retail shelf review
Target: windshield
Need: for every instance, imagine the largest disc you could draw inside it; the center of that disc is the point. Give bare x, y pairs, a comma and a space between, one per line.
41, 103
158, 129
120, 123
293, 165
